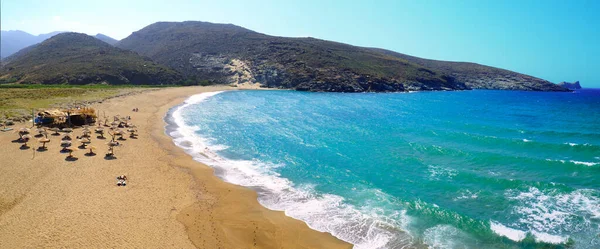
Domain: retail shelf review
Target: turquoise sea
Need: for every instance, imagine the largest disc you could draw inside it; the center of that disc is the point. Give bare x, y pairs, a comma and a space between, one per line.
467, 169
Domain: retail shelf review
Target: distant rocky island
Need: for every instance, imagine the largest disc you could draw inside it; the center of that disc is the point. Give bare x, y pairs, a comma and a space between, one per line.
571, 86
194, 52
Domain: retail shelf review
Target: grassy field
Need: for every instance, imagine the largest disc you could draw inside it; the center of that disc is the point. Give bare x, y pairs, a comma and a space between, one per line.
17, 101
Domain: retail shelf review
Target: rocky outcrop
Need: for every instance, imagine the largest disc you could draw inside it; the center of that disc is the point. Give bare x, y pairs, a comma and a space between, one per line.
572, 86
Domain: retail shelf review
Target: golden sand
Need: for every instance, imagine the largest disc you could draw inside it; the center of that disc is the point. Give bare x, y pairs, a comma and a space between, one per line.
170, 201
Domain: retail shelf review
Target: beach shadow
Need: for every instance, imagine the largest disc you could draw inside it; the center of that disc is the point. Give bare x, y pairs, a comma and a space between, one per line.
83, 147
24, 147
39, 135
42, 149
100, 137
55, 134
133, 137
71, 159
109, 157
90, 154
121, 139
18, 140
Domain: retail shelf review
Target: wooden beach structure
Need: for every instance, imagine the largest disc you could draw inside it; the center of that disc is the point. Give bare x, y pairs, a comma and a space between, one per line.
66, 117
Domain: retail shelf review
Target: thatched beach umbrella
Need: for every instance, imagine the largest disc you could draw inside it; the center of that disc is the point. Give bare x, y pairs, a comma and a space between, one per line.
119, 133
22, 132
67, 136
111, 146
91, 148
55, 130
86, 133
84, 142
65, 144
70, 151
25, 139
132, 132
100, 131
41, 132
44, 133
43, 141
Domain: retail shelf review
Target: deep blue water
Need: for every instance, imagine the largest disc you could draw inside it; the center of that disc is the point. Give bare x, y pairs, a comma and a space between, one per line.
469, 169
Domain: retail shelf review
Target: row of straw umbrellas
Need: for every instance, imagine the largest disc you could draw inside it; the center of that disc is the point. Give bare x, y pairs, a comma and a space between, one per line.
114, 130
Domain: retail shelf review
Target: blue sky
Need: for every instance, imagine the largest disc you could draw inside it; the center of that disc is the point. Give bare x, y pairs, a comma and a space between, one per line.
553, 40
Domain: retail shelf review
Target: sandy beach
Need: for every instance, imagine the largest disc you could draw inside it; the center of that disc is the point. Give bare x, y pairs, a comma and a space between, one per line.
170, 201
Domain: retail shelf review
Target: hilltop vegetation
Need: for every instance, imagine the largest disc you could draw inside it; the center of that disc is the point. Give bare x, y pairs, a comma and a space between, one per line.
73, 58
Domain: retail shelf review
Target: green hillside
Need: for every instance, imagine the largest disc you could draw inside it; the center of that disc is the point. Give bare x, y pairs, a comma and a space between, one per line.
73, 58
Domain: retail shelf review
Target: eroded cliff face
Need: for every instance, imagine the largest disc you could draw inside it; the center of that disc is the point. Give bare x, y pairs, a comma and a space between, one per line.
235, 71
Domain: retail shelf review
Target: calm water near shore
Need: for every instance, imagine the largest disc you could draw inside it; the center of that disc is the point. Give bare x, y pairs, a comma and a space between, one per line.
470, 169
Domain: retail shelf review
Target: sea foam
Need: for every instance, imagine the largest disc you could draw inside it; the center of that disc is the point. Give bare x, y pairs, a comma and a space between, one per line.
511, 233
548, 214
365, 227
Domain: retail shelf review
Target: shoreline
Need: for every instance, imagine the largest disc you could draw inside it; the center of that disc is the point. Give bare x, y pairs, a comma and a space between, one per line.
171, 200
325, 213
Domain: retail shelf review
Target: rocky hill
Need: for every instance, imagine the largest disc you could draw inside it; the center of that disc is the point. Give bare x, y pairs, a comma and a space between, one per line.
573, 86
482, 77
74, 58
227, 53
231, 54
